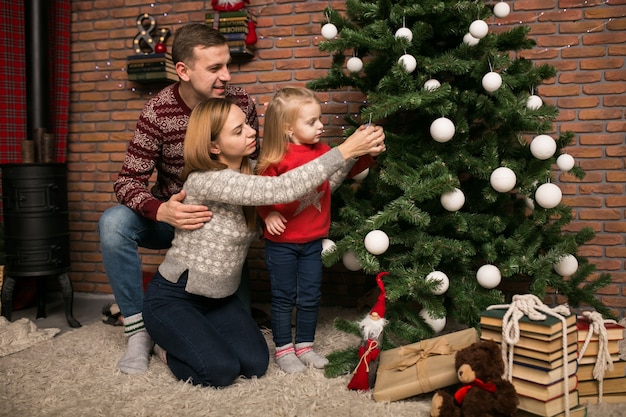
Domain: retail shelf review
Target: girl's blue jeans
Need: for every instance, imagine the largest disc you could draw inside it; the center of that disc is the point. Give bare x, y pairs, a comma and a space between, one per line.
295, 271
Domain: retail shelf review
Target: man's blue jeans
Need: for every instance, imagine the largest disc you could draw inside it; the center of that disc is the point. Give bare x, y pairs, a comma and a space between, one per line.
208, 341
296, 280
122, 232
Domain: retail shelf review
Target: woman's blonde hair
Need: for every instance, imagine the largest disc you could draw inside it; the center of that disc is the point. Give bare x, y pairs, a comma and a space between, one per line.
282, 111
205, 125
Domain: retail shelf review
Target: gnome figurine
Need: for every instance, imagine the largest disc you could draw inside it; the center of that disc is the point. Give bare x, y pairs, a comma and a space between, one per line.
371, 327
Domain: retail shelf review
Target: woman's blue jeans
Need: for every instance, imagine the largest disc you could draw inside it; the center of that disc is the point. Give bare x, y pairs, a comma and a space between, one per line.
296, 281
122, 232
208, 341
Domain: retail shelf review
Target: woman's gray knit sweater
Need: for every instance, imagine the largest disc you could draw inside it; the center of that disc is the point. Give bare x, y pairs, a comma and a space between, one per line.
215, 253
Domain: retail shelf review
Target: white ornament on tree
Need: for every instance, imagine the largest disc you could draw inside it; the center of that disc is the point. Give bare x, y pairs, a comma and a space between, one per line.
442, 279
376, 242
408, 62
354, 64
452, 200
328, 246
361, 175
442, 129
534, 102
501, 10
431, 85
404, 33
479, 29
436, 324
492, 81
350, 261
468, 39
543, 147
566, 266
503, 179
488, 276
565, 162
329, 31
548, 195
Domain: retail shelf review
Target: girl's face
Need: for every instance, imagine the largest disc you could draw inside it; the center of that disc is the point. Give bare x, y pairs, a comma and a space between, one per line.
236, 140
308, 127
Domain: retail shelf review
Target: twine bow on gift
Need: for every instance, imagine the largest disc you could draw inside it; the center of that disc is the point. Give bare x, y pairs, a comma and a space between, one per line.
412, 355
531, 306
604, 360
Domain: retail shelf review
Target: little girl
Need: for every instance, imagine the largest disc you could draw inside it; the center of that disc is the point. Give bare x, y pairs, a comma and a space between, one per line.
291, 138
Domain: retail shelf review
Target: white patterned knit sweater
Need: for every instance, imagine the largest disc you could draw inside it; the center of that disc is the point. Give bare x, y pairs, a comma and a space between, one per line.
215, 253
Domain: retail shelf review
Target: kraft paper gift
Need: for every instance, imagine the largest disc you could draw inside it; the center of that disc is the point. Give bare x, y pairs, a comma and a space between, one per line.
420, 367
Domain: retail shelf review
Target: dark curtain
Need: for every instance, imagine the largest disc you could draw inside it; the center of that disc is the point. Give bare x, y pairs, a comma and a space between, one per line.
13, 107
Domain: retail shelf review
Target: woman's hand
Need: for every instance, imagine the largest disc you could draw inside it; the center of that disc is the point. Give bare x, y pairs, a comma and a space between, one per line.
366, 140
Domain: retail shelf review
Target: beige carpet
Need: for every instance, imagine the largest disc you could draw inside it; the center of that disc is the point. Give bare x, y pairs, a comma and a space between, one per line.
74, 374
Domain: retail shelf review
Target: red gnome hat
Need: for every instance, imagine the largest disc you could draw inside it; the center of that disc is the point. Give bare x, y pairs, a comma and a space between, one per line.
379, 307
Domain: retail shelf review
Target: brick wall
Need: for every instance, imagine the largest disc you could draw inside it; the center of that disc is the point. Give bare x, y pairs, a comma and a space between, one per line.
585, 40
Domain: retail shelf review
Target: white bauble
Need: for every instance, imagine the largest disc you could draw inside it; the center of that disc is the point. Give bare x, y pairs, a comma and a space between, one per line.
548, 195
408, 62
354, 64
350, 261
376, 242
501, 10
328, 246
452, 200
566, 266
479, 29
468, 39
444, 282
431, 85
436, 324
543, 147
533, 102
492, 81
404, 33
565, 162
442, 129
503, 179
488, 276
329, 31
361, 175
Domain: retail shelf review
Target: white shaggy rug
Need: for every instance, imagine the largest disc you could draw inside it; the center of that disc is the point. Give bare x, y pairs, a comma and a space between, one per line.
75, 375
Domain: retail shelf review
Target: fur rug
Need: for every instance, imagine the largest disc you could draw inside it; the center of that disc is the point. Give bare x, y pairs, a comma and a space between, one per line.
75, 374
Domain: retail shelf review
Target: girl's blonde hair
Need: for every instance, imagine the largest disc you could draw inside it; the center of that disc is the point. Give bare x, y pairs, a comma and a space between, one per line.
282, 111
205, 125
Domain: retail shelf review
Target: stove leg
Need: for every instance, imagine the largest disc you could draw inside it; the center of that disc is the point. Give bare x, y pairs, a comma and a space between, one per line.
68, 299
8, 285
41, 297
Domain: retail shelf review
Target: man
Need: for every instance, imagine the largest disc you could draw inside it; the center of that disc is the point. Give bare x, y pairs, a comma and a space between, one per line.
147, 217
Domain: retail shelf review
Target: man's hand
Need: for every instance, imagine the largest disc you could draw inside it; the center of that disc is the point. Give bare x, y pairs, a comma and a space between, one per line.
183, 216
275, 223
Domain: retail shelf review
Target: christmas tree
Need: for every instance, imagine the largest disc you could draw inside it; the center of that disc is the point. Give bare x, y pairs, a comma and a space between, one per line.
463, 198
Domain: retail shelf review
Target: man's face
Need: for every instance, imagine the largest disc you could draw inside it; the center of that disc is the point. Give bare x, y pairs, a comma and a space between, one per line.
208, 74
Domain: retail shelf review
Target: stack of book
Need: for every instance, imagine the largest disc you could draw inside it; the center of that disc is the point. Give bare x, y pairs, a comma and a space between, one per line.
614, 381
151, 67
235, 26
539, 366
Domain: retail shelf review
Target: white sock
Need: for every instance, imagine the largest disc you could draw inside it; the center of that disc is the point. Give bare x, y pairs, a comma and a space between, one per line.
306, 354
287, 360
139, 346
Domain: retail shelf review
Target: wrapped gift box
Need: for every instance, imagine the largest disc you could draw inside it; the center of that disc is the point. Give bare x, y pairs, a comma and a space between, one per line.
420, 367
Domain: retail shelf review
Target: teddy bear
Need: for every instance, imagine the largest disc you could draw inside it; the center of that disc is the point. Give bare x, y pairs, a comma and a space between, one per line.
484, 392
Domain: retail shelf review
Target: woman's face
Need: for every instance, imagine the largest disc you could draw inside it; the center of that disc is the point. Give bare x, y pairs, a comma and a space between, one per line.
236, 140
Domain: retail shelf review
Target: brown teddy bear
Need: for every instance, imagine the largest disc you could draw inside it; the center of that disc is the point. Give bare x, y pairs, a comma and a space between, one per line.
484, 392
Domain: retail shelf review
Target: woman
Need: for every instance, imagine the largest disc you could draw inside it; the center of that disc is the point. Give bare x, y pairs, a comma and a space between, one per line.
190, 309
